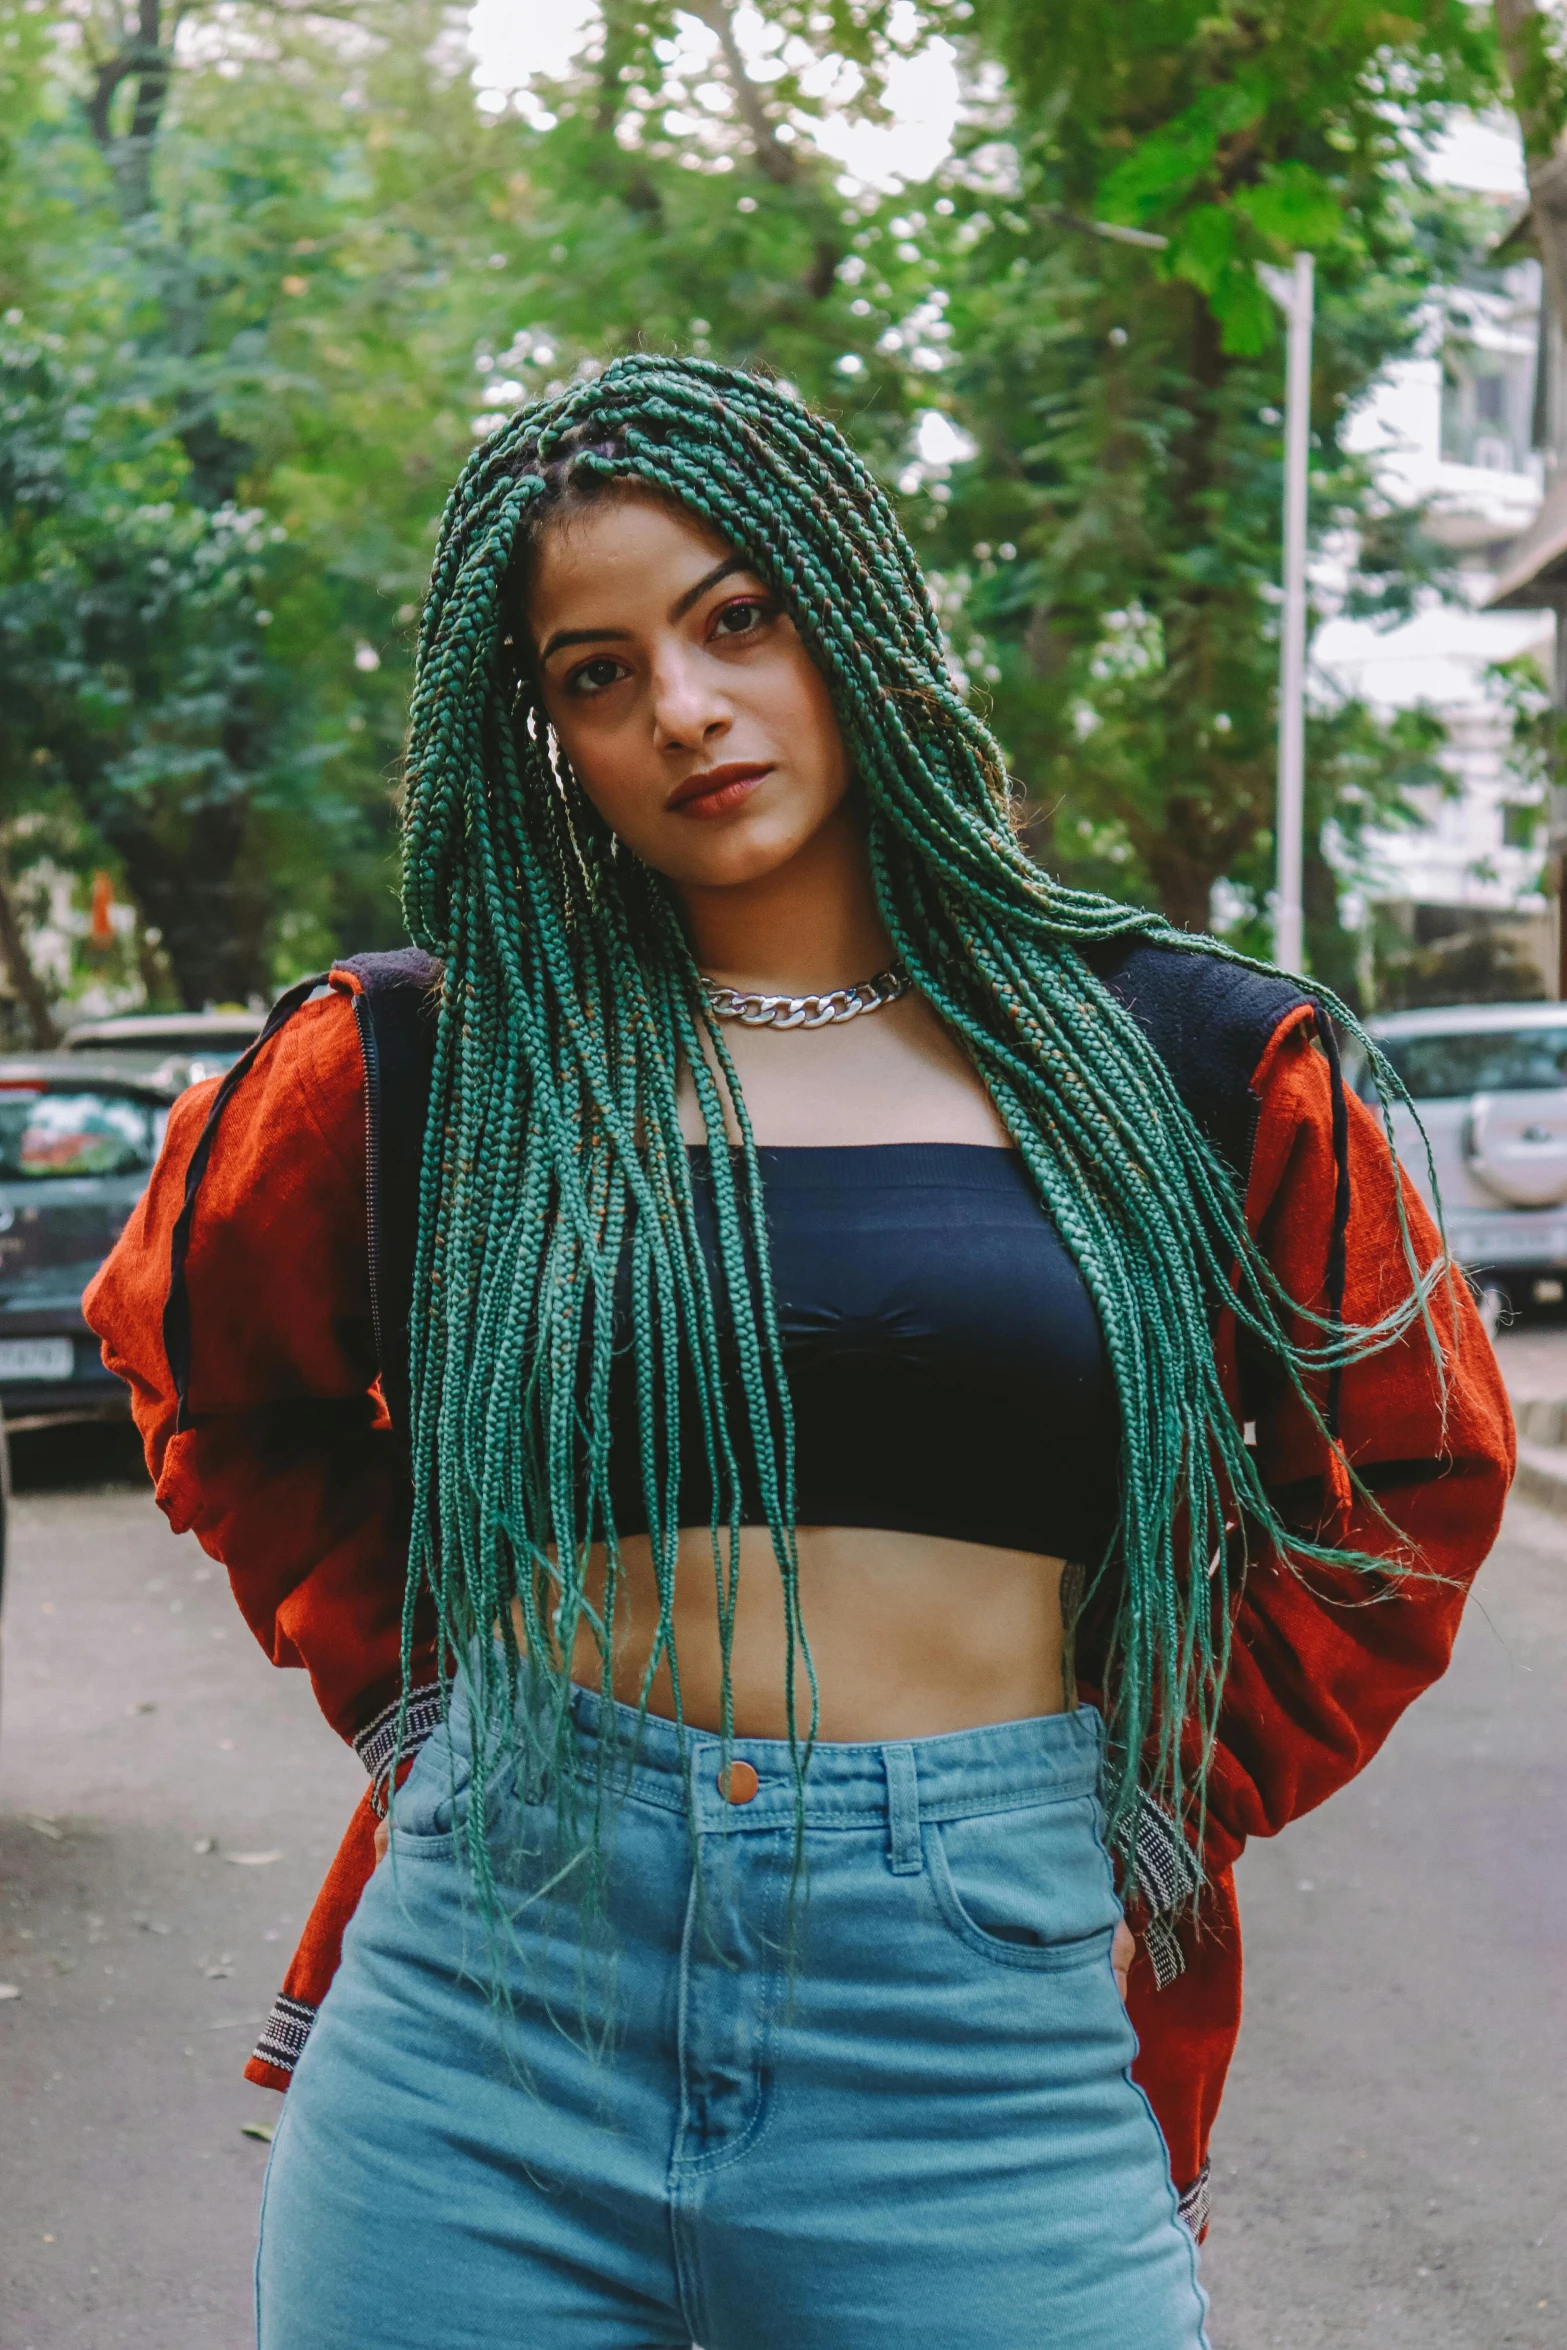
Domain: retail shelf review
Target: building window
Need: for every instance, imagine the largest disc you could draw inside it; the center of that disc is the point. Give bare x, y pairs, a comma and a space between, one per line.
1487, 403
1521, 822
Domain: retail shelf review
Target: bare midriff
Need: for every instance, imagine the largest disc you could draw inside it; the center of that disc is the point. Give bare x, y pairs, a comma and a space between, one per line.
910, 1634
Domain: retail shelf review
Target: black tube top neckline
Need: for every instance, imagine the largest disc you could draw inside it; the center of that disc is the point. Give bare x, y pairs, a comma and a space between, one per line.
890, 1163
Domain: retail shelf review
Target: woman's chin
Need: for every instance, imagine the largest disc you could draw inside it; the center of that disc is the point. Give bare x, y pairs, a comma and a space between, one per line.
733, 852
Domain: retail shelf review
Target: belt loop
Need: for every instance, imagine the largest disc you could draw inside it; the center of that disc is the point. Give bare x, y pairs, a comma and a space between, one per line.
904, 1852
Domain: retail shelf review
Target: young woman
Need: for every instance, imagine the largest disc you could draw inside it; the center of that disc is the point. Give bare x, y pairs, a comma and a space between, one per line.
918, 1410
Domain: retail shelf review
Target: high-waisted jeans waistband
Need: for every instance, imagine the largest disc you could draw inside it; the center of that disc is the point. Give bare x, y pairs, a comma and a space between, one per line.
954, 1775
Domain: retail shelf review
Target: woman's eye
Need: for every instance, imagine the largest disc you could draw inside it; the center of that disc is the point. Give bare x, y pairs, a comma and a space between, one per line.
742, 619
594, 676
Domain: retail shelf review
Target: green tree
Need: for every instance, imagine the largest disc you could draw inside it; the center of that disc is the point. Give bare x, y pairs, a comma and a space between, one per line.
267, 271
226, 439
1115, 540
666, 203
283, 270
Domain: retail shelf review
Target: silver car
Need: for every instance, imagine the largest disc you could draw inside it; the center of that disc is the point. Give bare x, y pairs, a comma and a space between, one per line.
169, 1048
1490, 1084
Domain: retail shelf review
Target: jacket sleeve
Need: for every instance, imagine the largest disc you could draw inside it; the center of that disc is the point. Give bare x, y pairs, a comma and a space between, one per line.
287, 1470
1324, 1661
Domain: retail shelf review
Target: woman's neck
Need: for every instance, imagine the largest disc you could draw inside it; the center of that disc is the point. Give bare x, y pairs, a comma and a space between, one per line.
810, 925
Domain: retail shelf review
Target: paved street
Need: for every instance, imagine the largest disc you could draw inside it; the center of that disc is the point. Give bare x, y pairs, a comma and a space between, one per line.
1390, 2159
146, 1747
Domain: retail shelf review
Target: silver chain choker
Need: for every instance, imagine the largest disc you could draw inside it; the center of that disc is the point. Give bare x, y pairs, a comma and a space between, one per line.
807, 1011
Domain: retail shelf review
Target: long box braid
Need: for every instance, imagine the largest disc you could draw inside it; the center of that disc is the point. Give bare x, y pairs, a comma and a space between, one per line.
554, 1149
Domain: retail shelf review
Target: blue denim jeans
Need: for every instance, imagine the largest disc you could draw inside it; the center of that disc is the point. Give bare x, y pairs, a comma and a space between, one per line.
906, 2120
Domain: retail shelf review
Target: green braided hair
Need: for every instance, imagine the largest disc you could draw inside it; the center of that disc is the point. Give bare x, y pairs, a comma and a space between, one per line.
554, 1150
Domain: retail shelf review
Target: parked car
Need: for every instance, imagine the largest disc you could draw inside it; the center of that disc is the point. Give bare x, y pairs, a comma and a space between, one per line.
175, 1048
1490, 1084
78, 1136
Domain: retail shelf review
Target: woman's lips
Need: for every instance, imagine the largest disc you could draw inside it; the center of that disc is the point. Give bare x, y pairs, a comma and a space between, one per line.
717, 791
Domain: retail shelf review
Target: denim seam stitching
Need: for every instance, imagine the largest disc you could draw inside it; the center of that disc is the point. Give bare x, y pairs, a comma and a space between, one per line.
870, 1816
1029, 1959
702, 2166
1187, 2236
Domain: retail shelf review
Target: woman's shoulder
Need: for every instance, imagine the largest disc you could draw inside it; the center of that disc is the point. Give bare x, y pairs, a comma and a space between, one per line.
395, 997
296, 1116
332, 1049
1212, 1022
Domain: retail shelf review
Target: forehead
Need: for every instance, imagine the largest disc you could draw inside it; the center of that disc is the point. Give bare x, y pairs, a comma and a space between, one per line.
625, 556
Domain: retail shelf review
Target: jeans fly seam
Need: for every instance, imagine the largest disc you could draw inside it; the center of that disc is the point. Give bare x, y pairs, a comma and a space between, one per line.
690, 2168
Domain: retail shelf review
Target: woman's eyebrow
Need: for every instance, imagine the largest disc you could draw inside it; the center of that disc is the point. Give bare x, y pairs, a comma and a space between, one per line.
583, 636
694, 595
677, 611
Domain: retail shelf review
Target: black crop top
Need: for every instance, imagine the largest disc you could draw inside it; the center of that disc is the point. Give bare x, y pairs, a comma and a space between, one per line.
944, 1359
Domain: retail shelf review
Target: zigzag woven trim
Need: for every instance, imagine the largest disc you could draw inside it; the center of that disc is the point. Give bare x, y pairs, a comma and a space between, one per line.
376, 1744
1165, 1954
1164, 1871
1167, 1868
287, 2029
1194, 2204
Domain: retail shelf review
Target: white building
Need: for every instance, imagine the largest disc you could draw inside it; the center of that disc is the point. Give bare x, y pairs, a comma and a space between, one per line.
1461, 427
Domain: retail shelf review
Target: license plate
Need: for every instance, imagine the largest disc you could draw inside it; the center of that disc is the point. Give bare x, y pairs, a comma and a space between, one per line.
1540, 1234
36, 1358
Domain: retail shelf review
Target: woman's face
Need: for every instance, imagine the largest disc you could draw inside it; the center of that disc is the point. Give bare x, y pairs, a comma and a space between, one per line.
691, 713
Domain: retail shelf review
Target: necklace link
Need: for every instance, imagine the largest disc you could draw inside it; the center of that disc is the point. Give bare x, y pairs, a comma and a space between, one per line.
807, 1011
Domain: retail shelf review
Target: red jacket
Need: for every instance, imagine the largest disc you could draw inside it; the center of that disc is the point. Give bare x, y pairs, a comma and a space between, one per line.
288, 1470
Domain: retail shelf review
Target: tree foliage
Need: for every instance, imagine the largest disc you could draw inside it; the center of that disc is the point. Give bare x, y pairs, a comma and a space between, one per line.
266, 271
1121, 519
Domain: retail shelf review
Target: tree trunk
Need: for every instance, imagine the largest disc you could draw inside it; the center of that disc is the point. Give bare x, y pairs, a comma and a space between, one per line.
212, 917
1184, 882
1523, 31
773, 158
29, 988
141, 58
195, 886
186, 878
1193, 845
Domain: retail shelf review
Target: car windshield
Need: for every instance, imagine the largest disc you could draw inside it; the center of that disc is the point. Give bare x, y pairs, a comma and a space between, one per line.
1506, 1060
44, 1133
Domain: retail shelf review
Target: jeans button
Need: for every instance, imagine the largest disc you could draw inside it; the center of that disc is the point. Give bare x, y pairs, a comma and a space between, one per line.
739, 1783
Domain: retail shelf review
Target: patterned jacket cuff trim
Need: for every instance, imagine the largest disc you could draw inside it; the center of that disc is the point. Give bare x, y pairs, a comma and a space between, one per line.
377, 1743
1166, 1872
1194, 2203
282, 2043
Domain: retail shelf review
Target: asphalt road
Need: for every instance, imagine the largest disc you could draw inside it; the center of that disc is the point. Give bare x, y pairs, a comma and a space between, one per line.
150, 1762
1390, 2158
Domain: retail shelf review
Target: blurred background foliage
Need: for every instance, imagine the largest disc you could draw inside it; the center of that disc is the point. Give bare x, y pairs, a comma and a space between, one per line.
266, 271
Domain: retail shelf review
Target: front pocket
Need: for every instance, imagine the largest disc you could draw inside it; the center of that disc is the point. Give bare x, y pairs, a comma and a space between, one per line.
1027, 1888
425, 1807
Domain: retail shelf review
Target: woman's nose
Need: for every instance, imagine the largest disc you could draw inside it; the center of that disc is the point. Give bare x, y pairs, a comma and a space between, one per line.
689, 706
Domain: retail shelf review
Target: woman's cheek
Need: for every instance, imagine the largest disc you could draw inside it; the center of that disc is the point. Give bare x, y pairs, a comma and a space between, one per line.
633, 815
606, 767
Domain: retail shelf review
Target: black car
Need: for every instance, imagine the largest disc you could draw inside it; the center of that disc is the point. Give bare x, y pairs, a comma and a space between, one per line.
78, 1137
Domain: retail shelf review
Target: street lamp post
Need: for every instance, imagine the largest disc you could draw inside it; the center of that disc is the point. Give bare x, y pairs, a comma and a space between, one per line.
1295, 296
